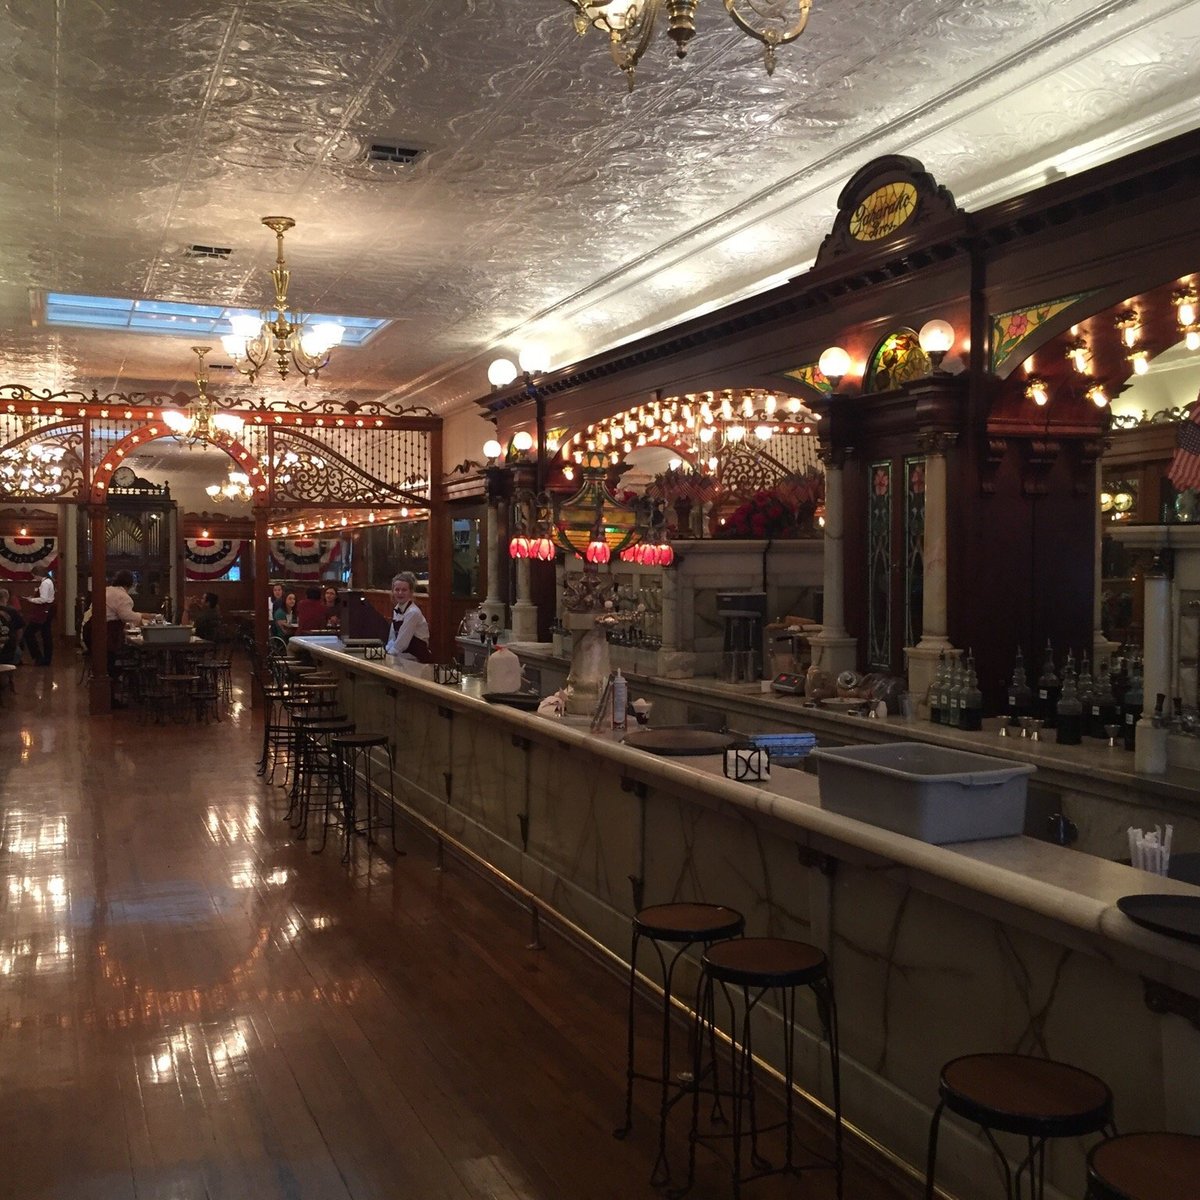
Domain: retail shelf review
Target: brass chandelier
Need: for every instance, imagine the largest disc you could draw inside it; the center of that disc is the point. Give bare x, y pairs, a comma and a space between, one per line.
629, 25
280, 331
202, 422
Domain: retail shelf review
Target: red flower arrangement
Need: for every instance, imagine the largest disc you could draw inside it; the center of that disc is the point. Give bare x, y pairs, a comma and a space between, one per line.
781, 512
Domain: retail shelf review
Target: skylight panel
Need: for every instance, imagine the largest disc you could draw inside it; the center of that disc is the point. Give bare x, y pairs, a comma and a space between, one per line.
178, 319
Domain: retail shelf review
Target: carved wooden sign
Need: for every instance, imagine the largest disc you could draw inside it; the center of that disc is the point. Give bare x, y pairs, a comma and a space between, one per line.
890, 199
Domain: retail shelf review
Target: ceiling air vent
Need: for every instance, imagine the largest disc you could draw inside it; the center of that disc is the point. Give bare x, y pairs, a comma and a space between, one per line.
219, 253
390, 152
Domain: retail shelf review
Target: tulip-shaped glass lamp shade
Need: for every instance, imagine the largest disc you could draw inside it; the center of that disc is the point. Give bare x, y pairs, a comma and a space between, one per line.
519, 546
492, 449
534, 359
597, 551
936, 338
502, 372
522, 441
834, 364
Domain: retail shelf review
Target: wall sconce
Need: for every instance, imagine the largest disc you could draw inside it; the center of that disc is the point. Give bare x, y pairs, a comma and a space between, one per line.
1140, 361
1077, 354
1129, 324
936, 338
522, 441
492, 450
1185, 301
834, 364
1037, 390
1098, 396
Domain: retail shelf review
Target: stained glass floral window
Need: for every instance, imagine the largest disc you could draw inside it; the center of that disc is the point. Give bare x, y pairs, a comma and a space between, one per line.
879, 566
898, 359
914, 549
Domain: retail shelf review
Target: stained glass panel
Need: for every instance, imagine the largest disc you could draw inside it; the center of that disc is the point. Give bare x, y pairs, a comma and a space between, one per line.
879, 566
898, 359
914, 549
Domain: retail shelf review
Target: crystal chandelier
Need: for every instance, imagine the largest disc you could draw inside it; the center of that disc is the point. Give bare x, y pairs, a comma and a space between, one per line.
32, 469
280, 331
236, 487
629, 25
202, 422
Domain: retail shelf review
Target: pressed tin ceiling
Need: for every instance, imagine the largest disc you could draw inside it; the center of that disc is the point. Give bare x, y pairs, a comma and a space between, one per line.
546, 201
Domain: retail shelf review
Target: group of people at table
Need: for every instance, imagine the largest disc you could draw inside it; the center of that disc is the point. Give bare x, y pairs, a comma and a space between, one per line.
313, 614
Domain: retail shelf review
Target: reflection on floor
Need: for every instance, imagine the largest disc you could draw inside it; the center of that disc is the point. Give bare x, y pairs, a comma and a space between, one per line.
194, 1005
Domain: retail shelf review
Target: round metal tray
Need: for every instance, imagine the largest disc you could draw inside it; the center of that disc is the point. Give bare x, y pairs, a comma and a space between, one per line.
679, 742
1176, 916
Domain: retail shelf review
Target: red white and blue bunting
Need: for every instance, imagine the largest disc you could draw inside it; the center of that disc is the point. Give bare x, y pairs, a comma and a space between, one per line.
304, 558
209, 558
19, 555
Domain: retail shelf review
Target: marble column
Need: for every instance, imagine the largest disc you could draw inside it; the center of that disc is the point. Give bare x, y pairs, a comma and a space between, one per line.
1102, 648
833, 648
935, 641
524, 611
493, 606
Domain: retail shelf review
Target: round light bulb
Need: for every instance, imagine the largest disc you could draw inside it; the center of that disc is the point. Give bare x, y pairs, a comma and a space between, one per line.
763, 433
502, 372
534, 359
936, 337
492, 448
834, 364
735, 433
522, 441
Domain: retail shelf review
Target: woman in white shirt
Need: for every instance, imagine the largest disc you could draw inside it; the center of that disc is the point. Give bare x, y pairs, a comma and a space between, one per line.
39, 619
409, 636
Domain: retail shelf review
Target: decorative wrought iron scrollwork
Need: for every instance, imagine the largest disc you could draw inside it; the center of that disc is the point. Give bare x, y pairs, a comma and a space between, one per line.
1165, 416
310, 471
41, 461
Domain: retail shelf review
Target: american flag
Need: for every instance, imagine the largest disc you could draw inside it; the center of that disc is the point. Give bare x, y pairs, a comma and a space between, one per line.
1185, 466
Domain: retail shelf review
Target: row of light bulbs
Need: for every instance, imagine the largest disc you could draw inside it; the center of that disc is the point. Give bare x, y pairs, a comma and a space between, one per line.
320, 525
1128, 322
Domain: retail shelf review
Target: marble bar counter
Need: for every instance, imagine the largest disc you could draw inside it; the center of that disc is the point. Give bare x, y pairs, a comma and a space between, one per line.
1093, 785
936, 951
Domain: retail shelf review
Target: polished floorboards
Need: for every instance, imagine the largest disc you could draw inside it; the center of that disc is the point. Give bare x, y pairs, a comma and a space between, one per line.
192, 1004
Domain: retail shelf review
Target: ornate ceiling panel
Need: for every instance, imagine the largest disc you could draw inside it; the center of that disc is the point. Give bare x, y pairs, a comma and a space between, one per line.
547, 201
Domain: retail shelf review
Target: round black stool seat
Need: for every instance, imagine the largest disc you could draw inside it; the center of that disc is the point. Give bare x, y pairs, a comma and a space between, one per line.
1034, 1098
363, 740
688, 922
1145, 1166
765, 962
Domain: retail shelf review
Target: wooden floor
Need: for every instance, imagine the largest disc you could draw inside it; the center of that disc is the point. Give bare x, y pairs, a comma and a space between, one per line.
194, 1005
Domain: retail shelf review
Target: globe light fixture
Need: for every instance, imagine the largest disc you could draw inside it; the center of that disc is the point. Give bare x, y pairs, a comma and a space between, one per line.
502, 372
936, 338
202, 422
492, 449
834, 364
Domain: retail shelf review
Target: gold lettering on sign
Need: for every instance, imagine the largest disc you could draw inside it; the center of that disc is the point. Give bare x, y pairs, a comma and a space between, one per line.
883, 212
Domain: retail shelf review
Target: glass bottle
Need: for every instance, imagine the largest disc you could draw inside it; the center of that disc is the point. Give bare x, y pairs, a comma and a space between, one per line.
1085, 685
1020, 698
1070, 712
1102, 710
954, 695
935, 690
971, 712
1049, 688
1131, 706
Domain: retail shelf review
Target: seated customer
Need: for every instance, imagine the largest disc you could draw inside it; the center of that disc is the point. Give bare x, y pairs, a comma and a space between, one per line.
11, 624
206, 623
329, 599
310, 612
118, 613
284, 623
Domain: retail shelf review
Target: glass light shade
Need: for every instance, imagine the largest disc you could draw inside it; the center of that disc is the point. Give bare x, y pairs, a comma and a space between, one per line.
330, 334
936, 336
735, 433
518, 547
522, 441
213, 489
674, 464
228, 423
245, 327
834, 364
1141, 362
541, 548
1098, 396
1038, 394
1186, 311
1192, 339
176, 421
597, 552
763, 433
502, 372
492, 448
534, 359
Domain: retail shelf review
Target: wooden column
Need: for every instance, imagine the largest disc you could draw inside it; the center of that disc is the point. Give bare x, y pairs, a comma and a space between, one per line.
100, 687
440, 633
262, 583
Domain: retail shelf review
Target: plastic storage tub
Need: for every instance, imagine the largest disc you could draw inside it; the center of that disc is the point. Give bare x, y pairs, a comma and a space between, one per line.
925, 792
